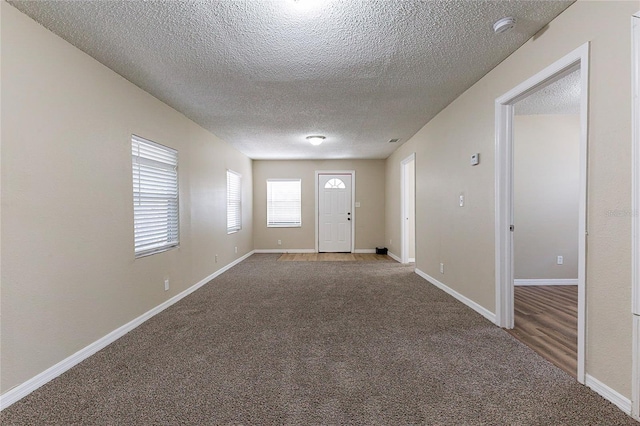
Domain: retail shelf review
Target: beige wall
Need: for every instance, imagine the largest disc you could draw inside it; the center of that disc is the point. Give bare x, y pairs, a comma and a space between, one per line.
463, 237
69, 275
546, 187
369, 217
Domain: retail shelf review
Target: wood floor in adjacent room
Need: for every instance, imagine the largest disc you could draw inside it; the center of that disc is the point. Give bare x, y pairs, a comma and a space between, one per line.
546, 320
335, 257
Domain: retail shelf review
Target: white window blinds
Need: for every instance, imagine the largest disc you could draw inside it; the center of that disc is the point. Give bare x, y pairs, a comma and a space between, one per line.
234, 201
155, 196
284, 203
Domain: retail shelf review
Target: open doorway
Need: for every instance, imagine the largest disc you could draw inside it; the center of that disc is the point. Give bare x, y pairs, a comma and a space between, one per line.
408, 201
546, 177
506, 226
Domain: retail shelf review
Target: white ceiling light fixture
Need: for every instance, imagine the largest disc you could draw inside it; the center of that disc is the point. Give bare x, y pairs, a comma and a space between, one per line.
315, 140
503, 25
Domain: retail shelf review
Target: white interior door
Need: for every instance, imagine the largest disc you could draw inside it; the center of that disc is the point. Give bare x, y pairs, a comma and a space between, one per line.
635, 122
334, 213
635, 220
408, 202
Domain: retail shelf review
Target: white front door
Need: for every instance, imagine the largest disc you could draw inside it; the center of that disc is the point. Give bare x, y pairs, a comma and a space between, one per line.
334, 213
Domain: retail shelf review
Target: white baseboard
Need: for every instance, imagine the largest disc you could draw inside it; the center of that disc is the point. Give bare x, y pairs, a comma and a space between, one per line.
305, 251
609, 394
470, 303
394, 257
544, 281
285, 251
412, 260
15, 394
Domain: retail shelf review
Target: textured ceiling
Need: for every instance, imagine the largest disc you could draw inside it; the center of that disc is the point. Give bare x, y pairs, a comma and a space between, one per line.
264, 74
560, 97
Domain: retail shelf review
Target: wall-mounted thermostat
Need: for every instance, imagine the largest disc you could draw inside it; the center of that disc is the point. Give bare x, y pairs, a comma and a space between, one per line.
475, 159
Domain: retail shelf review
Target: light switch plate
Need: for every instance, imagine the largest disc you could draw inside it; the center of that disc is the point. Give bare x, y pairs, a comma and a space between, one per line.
475, 159
357, 203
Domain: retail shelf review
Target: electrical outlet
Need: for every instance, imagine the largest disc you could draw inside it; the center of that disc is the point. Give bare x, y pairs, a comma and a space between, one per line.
461, 200
560, 260
442, 268
166, 284
235, 249
390, 241
279, 242
216, 257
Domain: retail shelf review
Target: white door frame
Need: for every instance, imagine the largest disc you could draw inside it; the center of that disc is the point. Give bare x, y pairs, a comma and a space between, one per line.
353, 203
504, 106
404, 230
635, 203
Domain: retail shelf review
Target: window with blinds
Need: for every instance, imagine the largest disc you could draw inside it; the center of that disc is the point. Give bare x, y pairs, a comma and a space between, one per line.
284, 203
234, 201
155, 197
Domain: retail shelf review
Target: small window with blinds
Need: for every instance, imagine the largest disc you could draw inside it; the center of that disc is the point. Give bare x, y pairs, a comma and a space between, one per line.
155, 197
284, 203
234, 201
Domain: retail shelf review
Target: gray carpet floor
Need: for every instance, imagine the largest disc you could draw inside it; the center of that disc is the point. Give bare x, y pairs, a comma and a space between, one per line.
308, 343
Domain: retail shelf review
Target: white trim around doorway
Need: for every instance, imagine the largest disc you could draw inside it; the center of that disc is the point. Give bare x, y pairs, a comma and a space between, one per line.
504, 110
404, 232
635, 208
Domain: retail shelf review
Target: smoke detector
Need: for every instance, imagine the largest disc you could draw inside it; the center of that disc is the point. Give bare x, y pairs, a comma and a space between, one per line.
503, 25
